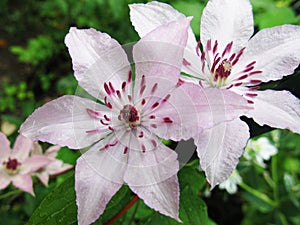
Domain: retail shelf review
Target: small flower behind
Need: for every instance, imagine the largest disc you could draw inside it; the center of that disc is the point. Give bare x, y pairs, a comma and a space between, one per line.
231, 184
260, 150
16, 165
54, 167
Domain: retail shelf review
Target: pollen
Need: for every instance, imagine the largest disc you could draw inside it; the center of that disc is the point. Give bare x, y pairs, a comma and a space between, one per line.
130, 116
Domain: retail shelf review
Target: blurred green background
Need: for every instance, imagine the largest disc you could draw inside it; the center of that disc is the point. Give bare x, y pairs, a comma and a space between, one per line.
35, 67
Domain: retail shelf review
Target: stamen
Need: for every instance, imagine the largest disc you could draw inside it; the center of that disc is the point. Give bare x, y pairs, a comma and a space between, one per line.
154, 143
110, 128
251, 95
237, 58
152, 117
142, 89
143, 81
215, 47
143, 148
166, 98
250, 102
255, 72
153, 125
106, 117
129, 98
232, 57
255, 81
179, 83
119, 94
106, 89
185, 62
155, 105
251, 64
113, 144
154, 88
143, 101
129, 76
93, 113
92, 131
208, 45
125, 149
141, 134
123, 86
243, 77
248, 69
167, 120
111, 87
227, 49
105, 124
238, 84
198, 48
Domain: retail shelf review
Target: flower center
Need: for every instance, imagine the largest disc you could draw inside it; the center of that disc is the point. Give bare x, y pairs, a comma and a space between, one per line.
130, 116
222, 72
12, 166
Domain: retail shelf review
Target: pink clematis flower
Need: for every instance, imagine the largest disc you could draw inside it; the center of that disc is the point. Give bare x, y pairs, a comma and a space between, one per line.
16, 165
231, 60
124, 130
54, 167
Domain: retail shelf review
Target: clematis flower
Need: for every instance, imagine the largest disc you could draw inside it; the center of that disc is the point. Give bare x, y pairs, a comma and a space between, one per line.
16, 165
55, 166
234, 60
123, 131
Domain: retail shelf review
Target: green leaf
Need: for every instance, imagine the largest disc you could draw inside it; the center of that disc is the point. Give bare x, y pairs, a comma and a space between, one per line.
276, 16
193, 211
191, 9
58, 207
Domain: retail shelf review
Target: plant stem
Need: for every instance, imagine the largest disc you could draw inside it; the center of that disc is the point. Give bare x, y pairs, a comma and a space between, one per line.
134, 212
10, 193
124, 210
258, 194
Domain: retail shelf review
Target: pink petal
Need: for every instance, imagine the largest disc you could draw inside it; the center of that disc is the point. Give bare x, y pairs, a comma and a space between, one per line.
52, 151
98, 176
5, 148
34, 163
218, 105
43, 177
65, 122
152, 174
226, 21
276, 52
147, 17
36, 149
159, 53
23, 182
4, 180
96, 58
219, 149
278, 109
22, 148
57, 166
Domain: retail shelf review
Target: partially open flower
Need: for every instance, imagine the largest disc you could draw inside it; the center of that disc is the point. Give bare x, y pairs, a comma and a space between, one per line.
16, 165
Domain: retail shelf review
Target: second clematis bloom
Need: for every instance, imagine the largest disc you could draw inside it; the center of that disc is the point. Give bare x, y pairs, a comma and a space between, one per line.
137, 109
233, 60
54, 167
16, 165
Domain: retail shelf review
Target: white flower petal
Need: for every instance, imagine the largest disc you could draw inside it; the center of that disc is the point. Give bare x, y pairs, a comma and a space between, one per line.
159, 53
147, 17
98, 176
23, 182
219, 149
4, 180
96, 58
276, 52
226, 21
21, 148
5, 147
152, 175
65, 122
278, 109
